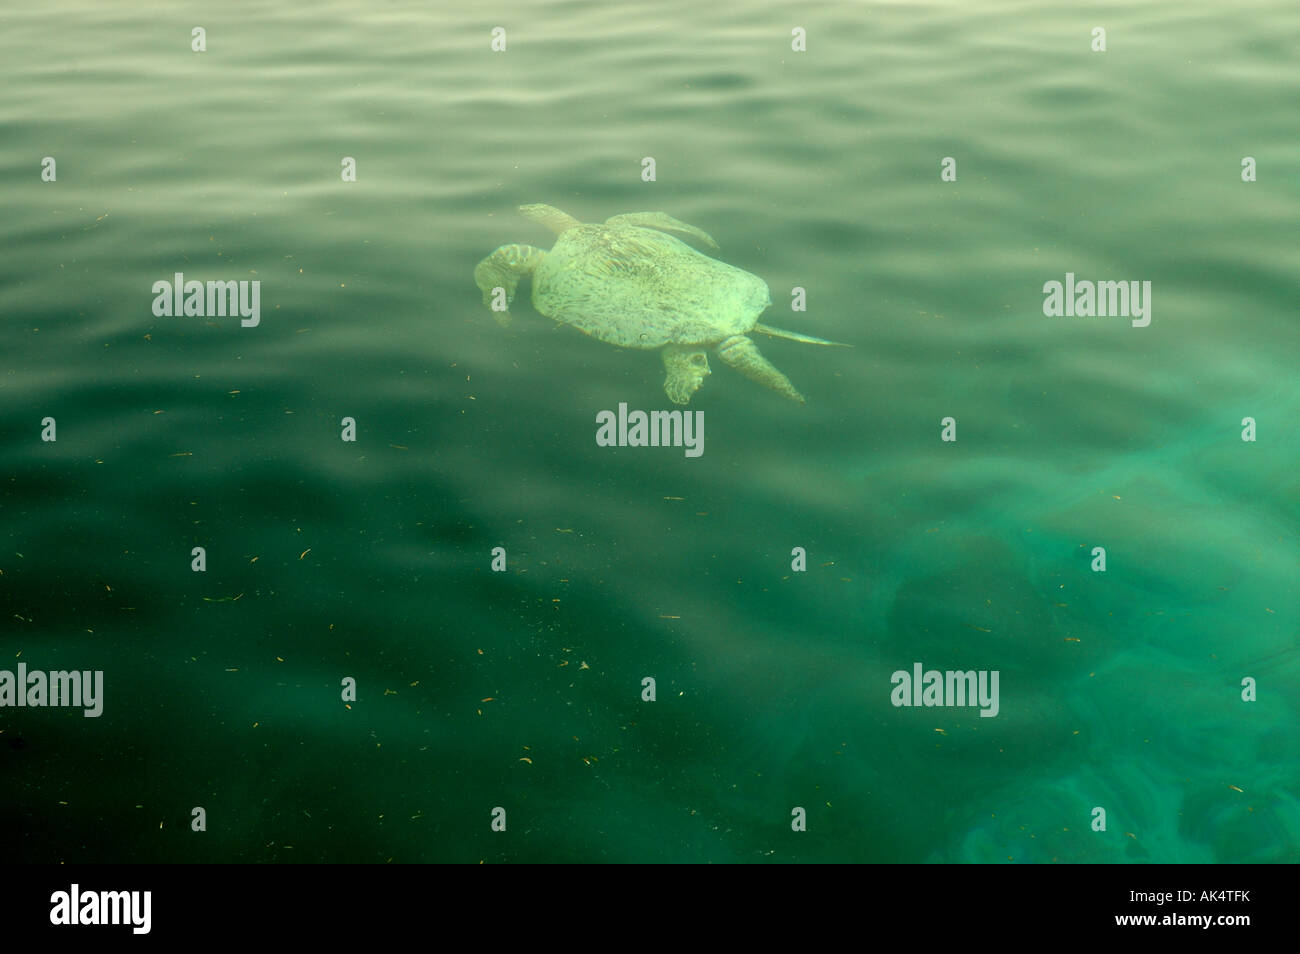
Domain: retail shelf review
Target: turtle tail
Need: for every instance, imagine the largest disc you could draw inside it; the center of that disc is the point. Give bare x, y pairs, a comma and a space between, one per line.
795, 336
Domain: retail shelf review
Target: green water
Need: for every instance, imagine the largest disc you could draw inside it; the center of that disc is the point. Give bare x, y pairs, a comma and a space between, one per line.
371, 559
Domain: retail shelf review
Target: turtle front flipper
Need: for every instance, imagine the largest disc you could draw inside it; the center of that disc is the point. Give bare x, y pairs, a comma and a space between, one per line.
550, 216
499, 274
742, 354
662, 222
687, 368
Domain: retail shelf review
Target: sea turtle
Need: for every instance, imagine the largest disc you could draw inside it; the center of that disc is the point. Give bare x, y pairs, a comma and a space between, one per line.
629, 283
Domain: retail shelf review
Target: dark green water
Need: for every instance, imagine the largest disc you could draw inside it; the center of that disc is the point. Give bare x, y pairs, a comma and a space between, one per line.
371, 559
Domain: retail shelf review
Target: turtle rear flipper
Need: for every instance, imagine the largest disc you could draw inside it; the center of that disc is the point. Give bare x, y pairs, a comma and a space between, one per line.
743, 355
502, 270
662, 222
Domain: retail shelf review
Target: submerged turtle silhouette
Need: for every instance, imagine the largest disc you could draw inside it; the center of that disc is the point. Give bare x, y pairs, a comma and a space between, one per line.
630, 284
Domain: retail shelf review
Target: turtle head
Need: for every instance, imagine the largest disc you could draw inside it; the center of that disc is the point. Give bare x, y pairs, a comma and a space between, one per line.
497, 276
